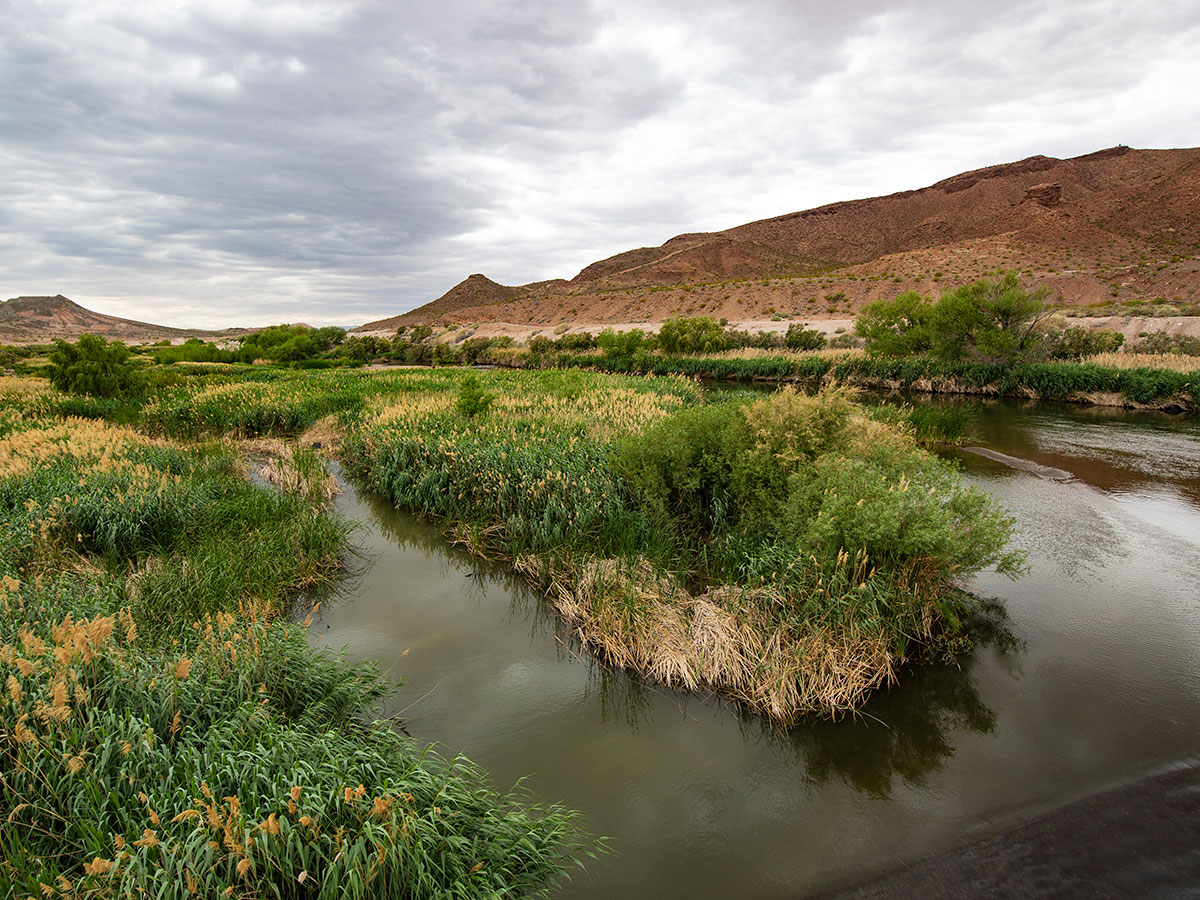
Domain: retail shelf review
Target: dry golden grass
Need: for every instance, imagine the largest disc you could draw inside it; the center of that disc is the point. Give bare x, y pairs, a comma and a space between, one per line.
16, 387
95, 442
599, 412
326, 433
719, 641
1174, 362
296, 473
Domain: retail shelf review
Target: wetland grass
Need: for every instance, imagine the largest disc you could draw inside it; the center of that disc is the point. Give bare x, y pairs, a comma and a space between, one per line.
165, 730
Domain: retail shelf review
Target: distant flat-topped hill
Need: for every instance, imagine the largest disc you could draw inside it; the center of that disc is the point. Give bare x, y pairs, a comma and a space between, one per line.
38, 320
1116, 225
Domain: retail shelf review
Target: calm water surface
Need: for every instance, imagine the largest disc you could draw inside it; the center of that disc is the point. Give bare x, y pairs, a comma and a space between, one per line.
1100, 683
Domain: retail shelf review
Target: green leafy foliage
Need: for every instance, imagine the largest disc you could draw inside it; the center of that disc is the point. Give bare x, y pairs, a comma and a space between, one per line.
472, 400
156, 742
624, 344
816, 474
994, 321
800, 338
194, 350
1077, 342
94, 367
697, 334
897, 327
990, 321
287, 343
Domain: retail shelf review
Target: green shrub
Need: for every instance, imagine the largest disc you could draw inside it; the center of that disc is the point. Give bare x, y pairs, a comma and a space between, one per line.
988, 321
1161, 342
698, 334
800, 338
1077, 342
624, 344
472, 400
194, 350
897, 327
93, 366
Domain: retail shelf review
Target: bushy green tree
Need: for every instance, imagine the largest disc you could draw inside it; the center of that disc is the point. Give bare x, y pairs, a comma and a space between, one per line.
93, 366
800, 338
362, 348
581, 340
695, 334
995, 321
624, 343
896, 327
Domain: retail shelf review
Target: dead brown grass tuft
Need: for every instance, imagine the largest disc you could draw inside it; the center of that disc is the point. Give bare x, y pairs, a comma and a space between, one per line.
1173, 362
637, 619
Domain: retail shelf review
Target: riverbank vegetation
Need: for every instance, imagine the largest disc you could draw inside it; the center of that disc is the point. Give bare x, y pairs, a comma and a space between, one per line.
792, 552
990, 338
164, 728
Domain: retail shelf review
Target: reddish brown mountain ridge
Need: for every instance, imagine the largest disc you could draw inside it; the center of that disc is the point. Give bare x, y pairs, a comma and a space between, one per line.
1112, 226
36, 320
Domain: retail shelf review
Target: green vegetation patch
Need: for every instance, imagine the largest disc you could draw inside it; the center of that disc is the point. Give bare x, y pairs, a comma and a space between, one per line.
165, 731
791, 552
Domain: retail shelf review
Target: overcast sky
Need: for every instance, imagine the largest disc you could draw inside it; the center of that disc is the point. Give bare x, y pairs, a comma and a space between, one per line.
243, 162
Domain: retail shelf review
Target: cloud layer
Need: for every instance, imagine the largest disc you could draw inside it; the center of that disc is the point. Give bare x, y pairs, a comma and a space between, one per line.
247, 161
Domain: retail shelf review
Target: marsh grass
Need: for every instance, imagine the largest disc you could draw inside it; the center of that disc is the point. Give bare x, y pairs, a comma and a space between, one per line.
166, 731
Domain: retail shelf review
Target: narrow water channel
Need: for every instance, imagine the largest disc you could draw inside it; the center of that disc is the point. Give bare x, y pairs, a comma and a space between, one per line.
1098, 683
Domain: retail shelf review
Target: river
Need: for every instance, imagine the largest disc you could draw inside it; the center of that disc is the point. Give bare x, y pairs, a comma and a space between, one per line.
1096, 682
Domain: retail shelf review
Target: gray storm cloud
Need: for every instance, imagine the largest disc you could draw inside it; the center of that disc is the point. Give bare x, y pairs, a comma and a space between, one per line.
247, 162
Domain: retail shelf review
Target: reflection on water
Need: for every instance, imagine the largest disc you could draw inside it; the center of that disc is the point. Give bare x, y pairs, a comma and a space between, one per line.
1094, 678
906, 737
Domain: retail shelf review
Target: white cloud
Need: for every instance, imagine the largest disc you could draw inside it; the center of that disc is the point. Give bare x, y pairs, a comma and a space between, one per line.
208, 163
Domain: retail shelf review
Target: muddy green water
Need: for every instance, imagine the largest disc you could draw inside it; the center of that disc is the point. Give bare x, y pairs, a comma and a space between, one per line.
1103, 684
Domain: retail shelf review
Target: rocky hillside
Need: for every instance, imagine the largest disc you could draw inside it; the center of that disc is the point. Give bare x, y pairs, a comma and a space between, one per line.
1119, 225
37, 320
